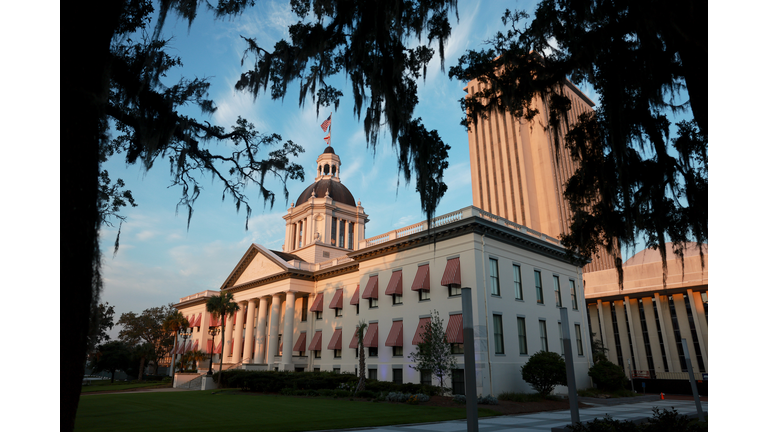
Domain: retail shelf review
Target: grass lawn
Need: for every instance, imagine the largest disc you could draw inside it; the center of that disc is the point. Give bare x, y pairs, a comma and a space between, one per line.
234, 410
107, 386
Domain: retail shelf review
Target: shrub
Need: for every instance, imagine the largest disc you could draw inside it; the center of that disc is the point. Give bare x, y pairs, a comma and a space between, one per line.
608, 376
487, 400
366, 394
342, 393
325, 392
396, 397
413, 400
460, 399
660, 422
545, 370
422, 397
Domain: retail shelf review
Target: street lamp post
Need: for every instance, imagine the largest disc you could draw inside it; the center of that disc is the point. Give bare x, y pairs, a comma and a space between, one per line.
213, 331
185, 333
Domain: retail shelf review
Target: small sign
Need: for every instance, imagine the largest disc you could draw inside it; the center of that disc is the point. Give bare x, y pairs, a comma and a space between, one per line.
704, 376
643, 383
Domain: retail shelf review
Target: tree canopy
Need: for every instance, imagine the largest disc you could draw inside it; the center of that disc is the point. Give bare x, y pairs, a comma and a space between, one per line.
147, 328
433, 353
111, 357
641, 57
102, 320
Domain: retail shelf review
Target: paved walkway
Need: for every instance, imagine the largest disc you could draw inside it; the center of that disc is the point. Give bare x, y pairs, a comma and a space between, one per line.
545, 421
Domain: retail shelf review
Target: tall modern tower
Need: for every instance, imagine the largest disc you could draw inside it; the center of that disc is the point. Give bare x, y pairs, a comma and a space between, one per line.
515, 172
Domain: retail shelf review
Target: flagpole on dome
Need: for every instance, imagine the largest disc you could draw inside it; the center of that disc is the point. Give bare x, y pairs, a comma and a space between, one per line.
326, 125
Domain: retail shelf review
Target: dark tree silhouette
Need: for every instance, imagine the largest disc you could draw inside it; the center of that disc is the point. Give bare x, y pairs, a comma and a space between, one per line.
111, 357
639, 56
112, 70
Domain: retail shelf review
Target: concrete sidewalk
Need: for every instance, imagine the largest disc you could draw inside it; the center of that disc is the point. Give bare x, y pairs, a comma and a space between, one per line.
545, 421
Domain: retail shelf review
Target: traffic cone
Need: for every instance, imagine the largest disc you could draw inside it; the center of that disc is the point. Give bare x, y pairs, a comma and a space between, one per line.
662, 396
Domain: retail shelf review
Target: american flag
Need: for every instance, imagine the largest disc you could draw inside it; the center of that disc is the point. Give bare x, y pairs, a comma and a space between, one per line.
326, 123
328, 138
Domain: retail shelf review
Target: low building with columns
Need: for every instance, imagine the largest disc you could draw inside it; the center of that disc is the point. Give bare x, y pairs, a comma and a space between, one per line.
643, 323
299, 307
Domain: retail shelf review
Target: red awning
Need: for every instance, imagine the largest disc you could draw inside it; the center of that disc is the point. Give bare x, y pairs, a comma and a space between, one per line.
353, 342
209, 346
421, 281
395, 337
317, 341
194, 347
371, 339
420, 329
317, 305
452, 275
455, 331
301, 344
335, 340
337, 302
218, 348
356, 296
199, 320
395, 285
372, 289
212, 322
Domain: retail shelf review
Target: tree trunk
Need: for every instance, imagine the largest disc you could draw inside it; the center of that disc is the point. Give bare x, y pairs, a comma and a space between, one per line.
141, 367
113, 376
85, 64
221, 355
361, 382
173, 363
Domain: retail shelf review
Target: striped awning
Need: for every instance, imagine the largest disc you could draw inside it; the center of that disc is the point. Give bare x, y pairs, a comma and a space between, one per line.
421, 281
335, 340
452, 275
212, 322
455, 331
372, 289
356, 296
317, 341
371, 339
317, 305
337, 302
395, 337
208, 346
198, 321
301, 344
395, 286
420, 329
218, 348
194, 347
353, 342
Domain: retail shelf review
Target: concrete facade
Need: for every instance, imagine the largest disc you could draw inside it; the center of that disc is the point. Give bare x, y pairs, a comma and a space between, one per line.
290, 313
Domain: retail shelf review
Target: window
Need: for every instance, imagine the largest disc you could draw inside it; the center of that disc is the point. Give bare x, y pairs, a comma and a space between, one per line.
397, 376
454, 290
457, 348
494, 264
539, 290
543, 333
574, 302
560, 330
373, 352
298, 369
357, 352
522, 340
372, 374
342, 229
373, 303
337, 353
397, 299
579, 346
518, 283
304, 308
301, 233
337, 370
301, 353
333, 231
498, 334
397, 351
425, 377
319, 315
357, 309
351, 236
558, 301
318, 354
338, 312
457, 381
317, 369
423, 295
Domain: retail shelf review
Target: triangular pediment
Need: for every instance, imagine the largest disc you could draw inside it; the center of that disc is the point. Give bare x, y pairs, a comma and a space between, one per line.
257, 263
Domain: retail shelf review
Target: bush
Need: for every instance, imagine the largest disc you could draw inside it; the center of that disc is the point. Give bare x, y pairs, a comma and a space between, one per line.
487, 400
608, 376
365, 394
341, 393
396, 397
326, 392
460, 399
545, 370
661, 422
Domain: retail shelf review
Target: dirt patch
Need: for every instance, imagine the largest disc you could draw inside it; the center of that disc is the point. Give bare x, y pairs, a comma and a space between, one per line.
506, 407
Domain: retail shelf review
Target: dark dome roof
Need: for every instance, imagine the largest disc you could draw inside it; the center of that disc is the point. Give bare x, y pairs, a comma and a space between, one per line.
329, 149
335, 189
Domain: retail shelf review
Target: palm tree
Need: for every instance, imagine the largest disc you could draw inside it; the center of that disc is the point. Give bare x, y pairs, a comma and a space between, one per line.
361, 352
221, 306
174, 323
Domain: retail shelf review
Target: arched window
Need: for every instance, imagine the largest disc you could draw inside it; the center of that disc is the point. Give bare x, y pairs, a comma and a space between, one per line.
326, 169
333, 170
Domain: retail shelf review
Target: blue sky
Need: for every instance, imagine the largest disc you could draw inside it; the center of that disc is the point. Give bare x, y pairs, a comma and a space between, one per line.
159, 260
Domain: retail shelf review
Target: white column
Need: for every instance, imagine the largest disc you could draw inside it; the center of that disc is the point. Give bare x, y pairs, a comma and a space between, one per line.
290, 303
248, 354
261, 331
237, 353
227, 330
274, 329
663, 314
